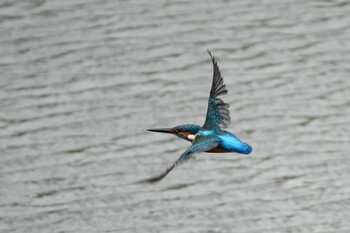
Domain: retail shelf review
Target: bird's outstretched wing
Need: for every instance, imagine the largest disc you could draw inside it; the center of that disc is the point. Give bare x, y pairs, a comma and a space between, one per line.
218, 114
199, 145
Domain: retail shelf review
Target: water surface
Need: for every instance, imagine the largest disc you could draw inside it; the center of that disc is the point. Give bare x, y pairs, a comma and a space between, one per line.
82, 80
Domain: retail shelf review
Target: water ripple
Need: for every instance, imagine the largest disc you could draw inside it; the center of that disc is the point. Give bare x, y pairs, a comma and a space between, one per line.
82, 80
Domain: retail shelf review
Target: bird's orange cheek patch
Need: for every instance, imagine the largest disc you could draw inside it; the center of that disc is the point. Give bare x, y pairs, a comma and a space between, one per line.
185, 134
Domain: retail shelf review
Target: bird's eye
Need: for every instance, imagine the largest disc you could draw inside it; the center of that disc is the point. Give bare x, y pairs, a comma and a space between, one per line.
174, 130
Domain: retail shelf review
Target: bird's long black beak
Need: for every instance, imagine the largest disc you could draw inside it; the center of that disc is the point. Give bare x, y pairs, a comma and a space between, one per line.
161, 130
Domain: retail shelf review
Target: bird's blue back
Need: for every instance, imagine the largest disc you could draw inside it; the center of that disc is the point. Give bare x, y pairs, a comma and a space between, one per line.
227, 141
230, 142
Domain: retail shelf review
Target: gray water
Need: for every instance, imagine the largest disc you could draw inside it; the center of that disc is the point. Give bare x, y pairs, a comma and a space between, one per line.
80, 82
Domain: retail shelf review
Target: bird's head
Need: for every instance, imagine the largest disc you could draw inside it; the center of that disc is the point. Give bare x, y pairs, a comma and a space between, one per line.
186, 131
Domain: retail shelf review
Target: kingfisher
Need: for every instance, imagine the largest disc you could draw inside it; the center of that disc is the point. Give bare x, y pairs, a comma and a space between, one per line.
211, 137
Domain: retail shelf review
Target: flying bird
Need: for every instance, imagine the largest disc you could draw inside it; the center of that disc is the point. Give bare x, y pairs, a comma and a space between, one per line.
210, 137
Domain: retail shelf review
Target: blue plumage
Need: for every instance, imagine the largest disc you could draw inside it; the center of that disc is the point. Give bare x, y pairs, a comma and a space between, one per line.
233, 144
210, 137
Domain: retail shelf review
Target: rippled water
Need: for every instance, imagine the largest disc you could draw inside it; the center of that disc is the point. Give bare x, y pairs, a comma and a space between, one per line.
82, 80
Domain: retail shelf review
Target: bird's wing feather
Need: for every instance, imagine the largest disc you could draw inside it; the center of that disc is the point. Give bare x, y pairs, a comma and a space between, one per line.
199, 145
218, 114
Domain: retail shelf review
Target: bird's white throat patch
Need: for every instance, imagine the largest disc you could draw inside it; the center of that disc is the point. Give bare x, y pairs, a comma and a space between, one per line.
191, 137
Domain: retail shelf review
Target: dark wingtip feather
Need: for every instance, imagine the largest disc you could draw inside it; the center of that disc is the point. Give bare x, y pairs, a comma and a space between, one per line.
213, 59
209, 52
218, 87
161, 176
